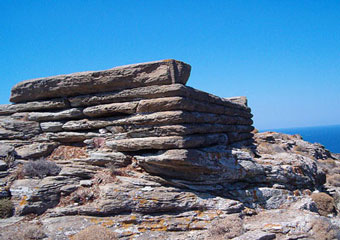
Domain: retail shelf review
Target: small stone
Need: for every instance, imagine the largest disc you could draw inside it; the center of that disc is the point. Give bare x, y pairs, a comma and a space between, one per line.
51, 126
147, 188
103, 131
86, 183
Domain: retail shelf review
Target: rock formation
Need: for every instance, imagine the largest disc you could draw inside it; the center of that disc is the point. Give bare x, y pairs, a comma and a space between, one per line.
137, 151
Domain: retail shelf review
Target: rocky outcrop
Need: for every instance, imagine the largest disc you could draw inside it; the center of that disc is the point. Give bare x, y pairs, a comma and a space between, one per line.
144, 155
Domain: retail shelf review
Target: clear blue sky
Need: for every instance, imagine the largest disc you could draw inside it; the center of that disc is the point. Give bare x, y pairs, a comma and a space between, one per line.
283, 55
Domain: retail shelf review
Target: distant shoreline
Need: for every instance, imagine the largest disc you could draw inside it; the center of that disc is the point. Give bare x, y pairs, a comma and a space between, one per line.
328, 135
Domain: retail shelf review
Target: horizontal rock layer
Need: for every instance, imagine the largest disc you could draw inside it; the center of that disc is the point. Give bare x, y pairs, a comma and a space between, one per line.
169, 142
130, 76
150, 92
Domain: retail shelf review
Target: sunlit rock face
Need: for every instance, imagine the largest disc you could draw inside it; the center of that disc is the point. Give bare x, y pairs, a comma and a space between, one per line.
135, 150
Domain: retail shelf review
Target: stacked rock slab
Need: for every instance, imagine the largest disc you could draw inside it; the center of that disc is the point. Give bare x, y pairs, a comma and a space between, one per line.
144, 111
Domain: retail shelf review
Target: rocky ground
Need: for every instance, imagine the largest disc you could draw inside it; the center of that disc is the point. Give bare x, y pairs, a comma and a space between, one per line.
280, 187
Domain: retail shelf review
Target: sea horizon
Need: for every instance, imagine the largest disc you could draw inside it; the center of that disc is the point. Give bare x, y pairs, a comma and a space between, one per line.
327, 135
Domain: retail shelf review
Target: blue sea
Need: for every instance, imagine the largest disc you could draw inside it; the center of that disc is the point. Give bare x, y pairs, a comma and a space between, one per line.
329, 136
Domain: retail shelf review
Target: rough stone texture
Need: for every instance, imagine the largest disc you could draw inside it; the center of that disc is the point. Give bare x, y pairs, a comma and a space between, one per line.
240, 100
168, 117
142, 196
117, 159
5, 150
291, 165
6, 109
35, 150
51, 126
256, 235
136, 75
193, 141
131, 131
150, 92
72, 113
150, 158
111, 109
204, 166
185, 104
35, 196
18, 129
70, 137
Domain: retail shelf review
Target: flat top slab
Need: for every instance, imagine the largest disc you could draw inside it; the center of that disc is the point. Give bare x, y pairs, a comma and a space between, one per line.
162, 72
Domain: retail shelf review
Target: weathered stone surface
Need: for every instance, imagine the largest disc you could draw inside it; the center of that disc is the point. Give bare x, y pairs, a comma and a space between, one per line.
150, 92
5, 150
239, 136
69, 137
193, 141
86, 183
6, 109
132, 131
136, 75
86, 124
77, 172
143, 205
272, 142
206, 166
51, 126
111, 109
35, 196
72, 113
185, 104
128, 95
140, 196
159, 118
7, 222
291, 223
268, 197
117, 159
35, 150
256, 235
8, 134
173, 117
242, 100
67, 189
181, 226
18, 129
286, 164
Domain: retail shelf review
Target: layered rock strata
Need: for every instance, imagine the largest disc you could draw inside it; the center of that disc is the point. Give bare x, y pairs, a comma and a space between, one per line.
140, 110
137, 151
